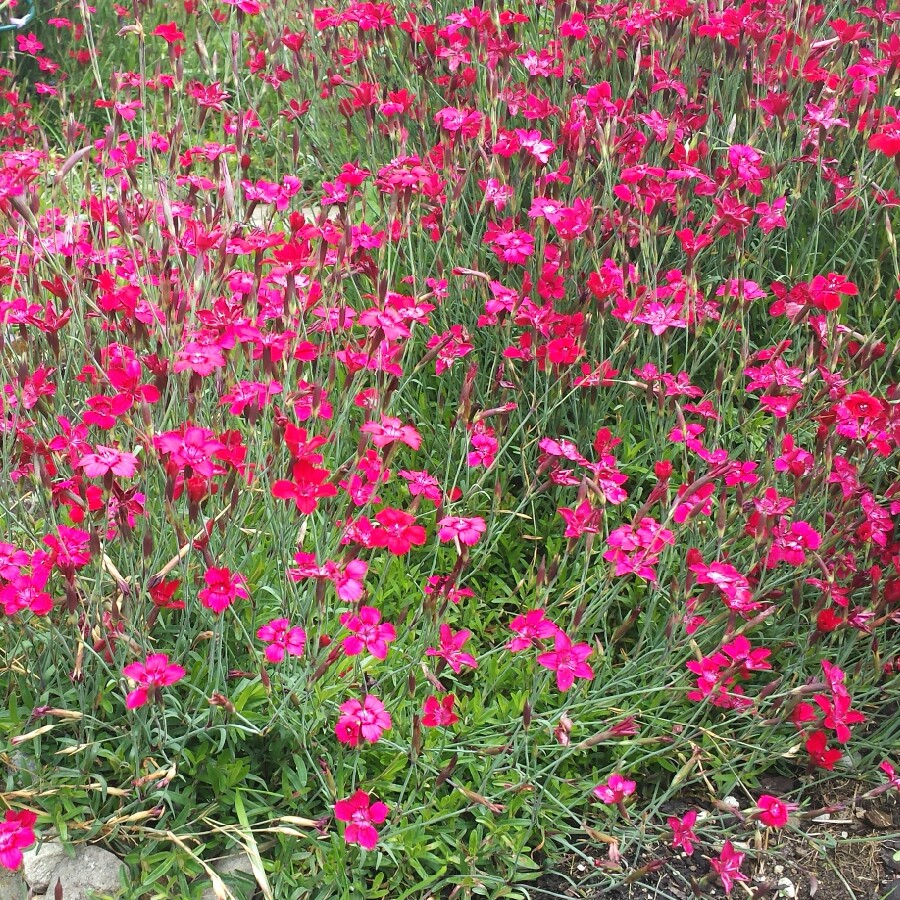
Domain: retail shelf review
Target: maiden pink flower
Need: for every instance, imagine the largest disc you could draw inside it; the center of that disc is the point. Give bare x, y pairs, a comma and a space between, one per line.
361, 816
398, 531
439, 712
467, 530
774, 812
389, 430
108, 459
281, 638
151, 675
451, 649
683, 836
615, 790
567, 660
530, 628
728, 867
368, 633
223, 587
362, 720
16, 835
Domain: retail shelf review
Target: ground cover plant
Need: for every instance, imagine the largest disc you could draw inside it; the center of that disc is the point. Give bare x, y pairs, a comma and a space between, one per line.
435, 439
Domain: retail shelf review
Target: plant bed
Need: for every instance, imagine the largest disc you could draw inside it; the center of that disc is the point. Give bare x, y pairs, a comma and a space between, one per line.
435, 440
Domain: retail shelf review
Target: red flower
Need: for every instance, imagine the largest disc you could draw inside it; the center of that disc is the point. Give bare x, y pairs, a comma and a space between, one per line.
169, 32
439, 712
361, 817
817, 748
398, 532
307, 488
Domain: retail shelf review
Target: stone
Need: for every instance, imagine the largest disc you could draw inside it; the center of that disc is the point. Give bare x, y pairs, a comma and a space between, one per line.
786, 888
40, 863
93, 871
892, 891
12, 885
237, 873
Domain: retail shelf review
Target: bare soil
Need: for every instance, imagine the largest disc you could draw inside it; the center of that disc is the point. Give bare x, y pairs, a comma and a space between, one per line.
846, 855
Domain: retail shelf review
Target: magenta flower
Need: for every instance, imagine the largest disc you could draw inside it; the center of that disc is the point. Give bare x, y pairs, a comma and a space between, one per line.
893, 778
361, 817
530, 628
567, 660
451, 649
683, 831
367, 633
466, 530
223, 587
362, 720
774, 812
281, 639
152, 674
16, 835
192, 447
615, 790
728, 867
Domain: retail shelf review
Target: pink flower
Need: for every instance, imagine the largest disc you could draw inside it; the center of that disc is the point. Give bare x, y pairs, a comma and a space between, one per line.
683, 831
584, 519
439, 712
16, 835
361, 817
108, 459
423, 484
368, 633
467, 531
362, 720
451, 649
152, 674
530, 628
192, 447
281, 639
567, 660
774, 812
389, 430
615, 790
728, 866
222, 588
350, 583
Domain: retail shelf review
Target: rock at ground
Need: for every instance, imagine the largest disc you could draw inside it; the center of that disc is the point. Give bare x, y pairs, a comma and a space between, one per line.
12, 885
93, 871
237, 873
892, 891
40, 863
